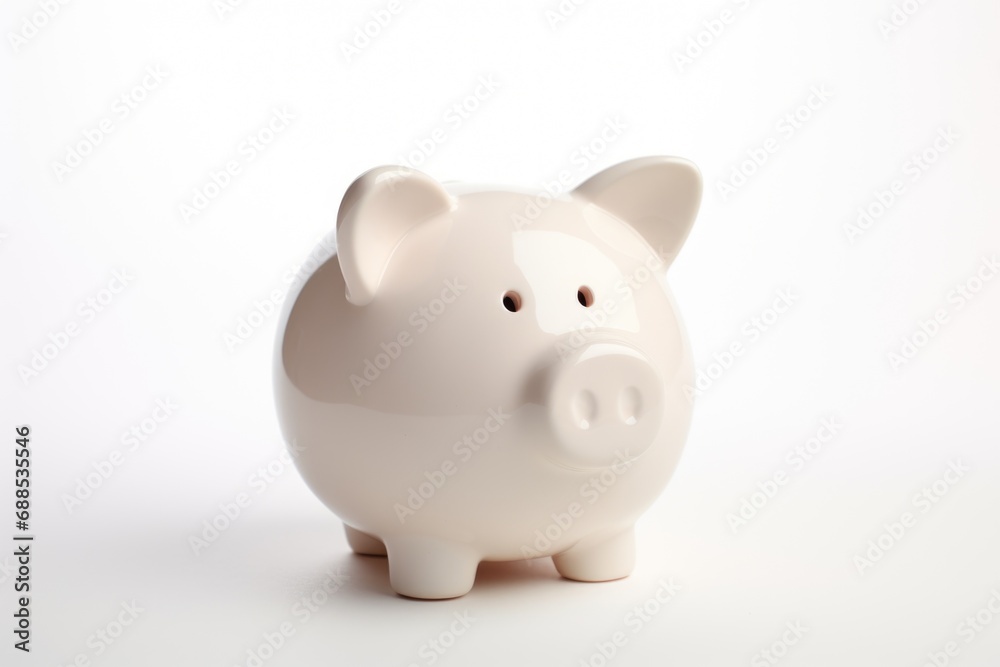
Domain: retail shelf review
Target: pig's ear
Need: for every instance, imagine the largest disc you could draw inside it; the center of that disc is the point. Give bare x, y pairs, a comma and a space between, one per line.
657, 196
378, 210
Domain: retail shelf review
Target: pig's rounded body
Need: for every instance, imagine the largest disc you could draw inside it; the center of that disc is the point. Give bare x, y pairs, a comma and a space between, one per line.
446, 429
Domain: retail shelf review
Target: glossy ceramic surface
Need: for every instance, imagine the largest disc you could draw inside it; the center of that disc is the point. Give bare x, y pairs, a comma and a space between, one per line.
490, 374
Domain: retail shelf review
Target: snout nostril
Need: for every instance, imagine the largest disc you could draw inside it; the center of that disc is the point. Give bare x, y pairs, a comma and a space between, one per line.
630, 406
583, 407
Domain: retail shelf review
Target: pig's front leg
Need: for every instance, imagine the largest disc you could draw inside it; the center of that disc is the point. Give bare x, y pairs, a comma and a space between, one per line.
430, 568
363, 543
601, 560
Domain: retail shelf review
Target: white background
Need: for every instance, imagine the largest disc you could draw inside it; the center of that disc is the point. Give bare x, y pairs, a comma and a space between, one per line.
856, 297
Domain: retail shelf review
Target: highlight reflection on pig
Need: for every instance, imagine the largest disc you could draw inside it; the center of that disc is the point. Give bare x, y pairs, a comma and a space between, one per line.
488, 374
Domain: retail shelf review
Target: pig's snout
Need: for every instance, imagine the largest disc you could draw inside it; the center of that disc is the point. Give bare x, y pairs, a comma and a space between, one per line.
606, 403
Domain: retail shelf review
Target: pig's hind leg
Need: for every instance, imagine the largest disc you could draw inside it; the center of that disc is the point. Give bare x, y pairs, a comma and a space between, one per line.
601, 559
363, 543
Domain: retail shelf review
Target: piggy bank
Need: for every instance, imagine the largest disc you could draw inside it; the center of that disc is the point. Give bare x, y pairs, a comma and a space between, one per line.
492, 374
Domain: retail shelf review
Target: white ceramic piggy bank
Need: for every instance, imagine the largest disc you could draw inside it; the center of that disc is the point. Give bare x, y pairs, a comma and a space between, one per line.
486, 374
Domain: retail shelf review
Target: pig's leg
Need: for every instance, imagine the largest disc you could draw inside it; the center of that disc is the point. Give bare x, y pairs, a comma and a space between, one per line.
363, 543
603, 560
430, 568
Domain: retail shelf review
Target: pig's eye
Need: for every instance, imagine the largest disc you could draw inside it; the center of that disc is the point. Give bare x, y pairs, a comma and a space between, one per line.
585, 296
512, 301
